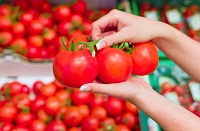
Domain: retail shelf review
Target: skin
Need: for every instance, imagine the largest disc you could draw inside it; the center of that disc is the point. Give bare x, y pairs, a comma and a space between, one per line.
118, 26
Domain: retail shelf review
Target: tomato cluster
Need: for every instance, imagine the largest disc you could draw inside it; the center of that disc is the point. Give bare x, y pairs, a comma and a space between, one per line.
52, 107
32, 28
184, 95
79, 65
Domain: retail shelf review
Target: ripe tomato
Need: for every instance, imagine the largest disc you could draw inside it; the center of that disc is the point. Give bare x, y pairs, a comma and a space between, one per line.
36, 86
38, 125
26, 18
129, 107
97, 101
37, 104
48, 90
64, 28
35, 27
42, 115
5, 9
115, 65
80, 98
5, 23
23, 4
113, 106
6, 126
46, 7
64, 96
36, 3
52, 105
19, 45
145, 58
25, 89
99, 112
62, 12
13, 88
122, 127
129, 119
18, 29
84, 109
21, 101
33, 52
46, 19
79, 7
5, 39
24, 119
35, 40
90, 123
8, 113
49, 36
75, 68
56, 125
73, 116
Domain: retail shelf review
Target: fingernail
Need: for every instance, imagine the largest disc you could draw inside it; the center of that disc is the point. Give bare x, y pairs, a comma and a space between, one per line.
101, 44
85, 88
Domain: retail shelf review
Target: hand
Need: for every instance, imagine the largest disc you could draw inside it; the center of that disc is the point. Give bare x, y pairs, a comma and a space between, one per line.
118, 26
127, 90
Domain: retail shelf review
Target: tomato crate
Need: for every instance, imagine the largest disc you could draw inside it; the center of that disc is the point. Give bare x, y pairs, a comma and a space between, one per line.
167, 71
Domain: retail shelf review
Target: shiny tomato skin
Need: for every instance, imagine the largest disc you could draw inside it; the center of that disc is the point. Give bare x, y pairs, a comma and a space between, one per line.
52, 105
48, 90
24, 119
129, 119
73, 116
56, 125
79, 7
35, 27
18, 29
99, 112
37, 104
80, 98
20, 45
115, 65
8, 113
5, 39
90, 123
6, 126
38, 125
145, 58
62, 12
76, 68
21, 100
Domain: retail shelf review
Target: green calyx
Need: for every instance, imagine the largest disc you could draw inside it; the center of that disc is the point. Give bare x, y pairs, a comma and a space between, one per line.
90, 45
125, 46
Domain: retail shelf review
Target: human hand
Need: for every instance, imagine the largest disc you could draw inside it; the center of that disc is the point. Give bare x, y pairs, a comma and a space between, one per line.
128, 90
118, 26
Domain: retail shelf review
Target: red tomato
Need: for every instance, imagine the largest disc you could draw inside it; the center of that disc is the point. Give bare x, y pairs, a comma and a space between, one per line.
75, 68
46, 7
35, 40
6, 126
18, 29
5, 39
46, 19
25, 89
49, 36
52, 105
145, 58
19, 45
42, 115
84, 109
72, 116
129, 119
14, 88
97, 101
23, 4
74, 129
38, 125
64, 96
56, 125
115, 65
64, 28
166, 87
76, 19
129, 107
108, 121
24, 119
35, 27
36, 86
79, 7
122, 127
36, 3
48, 90
37, 104
33, 52
58, 85
80, 98
99, 112
8, 113
90, 123
62, 12
21, 101
113, 106
26, 18
5, 23
5, 9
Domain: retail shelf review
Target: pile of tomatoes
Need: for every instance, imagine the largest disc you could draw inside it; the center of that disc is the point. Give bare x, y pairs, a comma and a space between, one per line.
32, 28
53, 107
81, 63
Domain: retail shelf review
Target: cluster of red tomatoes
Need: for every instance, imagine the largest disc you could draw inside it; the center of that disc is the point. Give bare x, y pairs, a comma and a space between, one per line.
32, 28
52, 107
79, 65
184, 96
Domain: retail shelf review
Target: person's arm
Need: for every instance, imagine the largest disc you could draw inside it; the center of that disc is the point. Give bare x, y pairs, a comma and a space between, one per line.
170, 116
181, 49
118, 26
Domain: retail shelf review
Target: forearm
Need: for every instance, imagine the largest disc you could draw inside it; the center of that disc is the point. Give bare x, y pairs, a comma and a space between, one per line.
169, 115
183, 50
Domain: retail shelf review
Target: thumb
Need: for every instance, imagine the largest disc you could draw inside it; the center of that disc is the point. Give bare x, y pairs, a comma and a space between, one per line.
110, 40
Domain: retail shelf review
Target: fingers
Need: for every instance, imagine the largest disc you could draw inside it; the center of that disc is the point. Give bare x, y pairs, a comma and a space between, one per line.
108, 89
